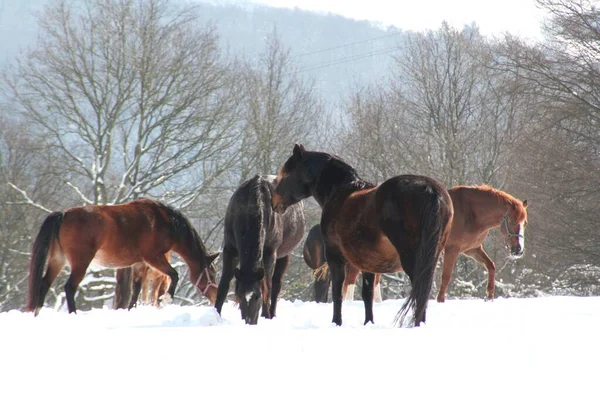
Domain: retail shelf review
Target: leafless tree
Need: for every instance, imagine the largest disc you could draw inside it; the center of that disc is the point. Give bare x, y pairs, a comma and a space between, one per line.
134, 99
282, 108
560, 158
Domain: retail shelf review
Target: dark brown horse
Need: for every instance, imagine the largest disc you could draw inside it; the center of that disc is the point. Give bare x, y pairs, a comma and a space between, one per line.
140, 279
116, 236
477, 210
316, 259
402, 224
261, 241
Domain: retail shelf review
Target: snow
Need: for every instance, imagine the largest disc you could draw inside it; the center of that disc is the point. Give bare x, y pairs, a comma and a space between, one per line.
469, 349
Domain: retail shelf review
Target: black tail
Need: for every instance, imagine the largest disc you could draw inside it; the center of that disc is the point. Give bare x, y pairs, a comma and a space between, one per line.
48, 233
252, 238
433, 222
123, 288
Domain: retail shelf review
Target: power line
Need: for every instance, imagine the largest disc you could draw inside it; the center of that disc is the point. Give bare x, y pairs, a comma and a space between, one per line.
348, 44
350, 58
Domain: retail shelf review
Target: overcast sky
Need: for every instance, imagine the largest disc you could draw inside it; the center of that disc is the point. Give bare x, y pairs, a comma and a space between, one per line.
520, 17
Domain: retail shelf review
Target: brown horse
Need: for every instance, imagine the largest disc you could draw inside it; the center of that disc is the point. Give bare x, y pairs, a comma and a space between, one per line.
315, 257
402, 224
116, 236
477, 210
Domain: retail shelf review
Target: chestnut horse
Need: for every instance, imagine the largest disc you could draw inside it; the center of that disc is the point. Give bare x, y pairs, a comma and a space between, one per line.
402, 224
116, 236
477, 210
315, 258
261, 241
140, 279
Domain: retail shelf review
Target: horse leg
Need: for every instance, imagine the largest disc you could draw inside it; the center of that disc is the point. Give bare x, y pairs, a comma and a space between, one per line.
160, 290
55, 265
481, 256
377, 290
450, 256
367, 295
77, 273
336, 266
161, 263
350, 281
281, 266
123, 287
267, 288
139, 275
230, 261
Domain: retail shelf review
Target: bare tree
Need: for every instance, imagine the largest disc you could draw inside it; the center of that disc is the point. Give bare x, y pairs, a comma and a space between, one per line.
282, 109
132, 97
559, 158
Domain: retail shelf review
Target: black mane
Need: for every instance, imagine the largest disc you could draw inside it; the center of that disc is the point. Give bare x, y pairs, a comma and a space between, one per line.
331, 175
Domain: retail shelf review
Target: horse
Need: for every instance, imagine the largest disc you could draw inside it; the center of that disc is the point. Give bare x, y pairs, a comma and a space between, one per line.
139, 279
116, 236
477, 210
261, 241
315, 257
401, 224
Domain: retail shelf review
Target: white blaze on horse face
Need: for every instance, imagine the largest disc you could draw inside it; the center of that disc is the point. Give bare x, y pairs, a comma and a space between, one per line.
248, 296
522, 237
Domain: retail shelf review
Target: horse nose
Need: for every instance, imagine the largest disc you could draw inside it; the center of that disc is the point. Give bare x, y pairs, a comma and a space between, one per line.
517, 251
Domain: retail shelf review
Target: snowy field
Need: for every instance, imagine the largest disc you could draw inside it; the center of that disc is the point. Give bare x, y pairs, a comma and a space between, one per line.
542, 348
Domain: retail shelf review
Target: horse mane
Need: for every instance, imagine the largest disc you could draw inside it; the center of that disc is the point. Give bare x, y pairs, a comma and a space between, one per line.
356, 182
499, 195
182, 227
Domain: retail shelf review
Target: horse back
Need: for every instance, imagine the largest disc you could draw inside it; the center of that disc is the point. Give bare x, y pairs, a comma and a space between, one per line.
116, 235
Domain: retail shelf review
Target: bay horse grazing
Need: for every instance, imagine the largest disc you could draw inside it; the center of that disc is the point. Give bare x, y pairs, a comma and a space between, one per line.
116, 236
316, 259
477, 210
261, 241
402, 224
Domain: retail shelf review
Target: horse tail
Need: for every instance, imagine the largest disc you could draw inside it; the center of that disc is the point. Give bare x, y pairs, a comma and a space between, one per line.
434, 220
46, 236
123, 287
251, 245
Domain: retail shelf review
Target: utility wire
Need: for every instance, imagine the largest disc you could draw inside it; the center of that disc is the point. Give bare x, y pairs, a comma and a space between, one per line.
350, 58
348, 44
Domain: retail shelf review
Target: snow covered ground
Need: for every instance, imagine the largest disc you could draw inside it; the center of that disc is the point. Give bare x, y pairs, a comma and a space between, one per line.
541, 348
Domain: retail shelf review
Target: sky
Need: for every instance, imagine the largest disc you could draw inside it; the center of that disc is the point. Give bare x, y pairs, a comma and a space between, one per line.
538, 348
519, 17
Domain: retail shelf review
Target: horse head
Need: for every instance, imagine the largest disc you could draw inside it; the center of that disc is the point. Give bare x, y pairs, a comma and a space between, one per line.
248, 289
513, 226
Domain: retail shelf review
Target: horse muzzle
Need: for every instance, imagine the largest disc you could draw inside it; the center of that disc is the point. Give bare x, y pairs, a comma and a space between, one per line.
278, 206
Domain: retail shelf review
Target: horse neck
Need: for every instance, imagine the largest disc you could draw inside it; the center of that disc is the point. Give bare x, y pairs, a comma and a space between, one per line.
335, 183
492, 210
194, 254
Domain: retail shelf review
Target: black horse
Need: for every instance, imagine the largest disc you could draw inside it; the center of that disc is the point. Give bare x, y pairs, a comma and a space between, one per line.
402, 224
261, 241
315, 258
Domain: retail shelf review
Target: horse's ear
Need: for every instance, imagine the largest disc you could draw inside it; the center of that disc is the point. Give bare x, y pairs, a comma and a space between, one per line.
298, 150
237, 273
525, 203
212, 257
260, 273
